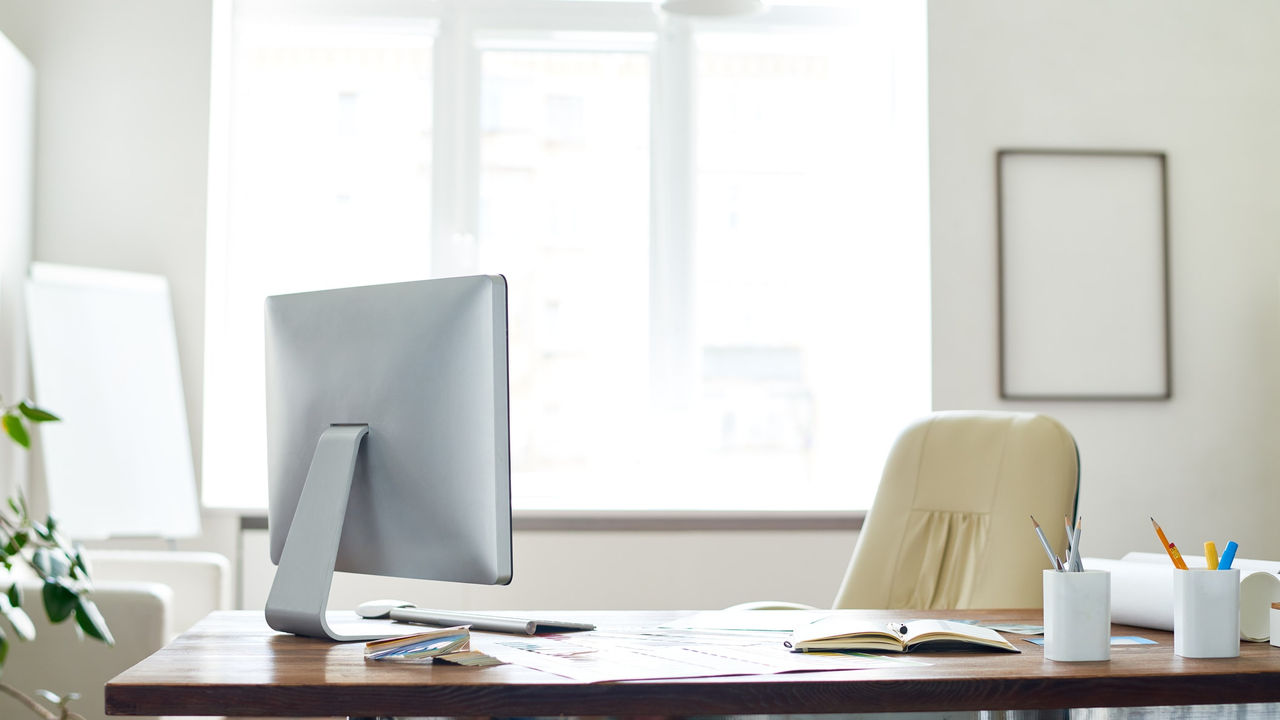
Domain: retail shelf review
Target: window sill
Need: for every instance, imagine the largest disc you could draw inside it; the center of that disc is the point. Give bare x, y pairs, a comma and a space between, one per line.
680, 521
655, 520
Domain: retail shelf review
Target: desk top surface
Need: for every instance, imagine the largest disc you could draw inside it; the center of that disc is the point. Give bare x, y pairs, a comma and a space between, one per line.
231, 663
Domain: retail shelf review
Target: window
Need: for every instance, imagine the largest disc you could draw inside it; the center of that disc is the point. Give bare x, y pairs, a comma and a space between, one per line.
715, 233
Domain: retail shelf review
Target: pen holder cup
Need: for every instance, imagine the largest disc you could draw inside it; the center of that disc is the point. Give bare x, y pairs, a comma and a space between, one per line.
1275, 624
1206, 613
1077, 615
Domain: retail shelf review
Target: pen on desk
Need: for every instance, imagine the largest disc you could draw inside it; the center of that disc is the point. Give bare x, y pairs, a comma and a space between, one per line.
1057, 564
1169, 547
1228, 556
1073, 559
1210, 555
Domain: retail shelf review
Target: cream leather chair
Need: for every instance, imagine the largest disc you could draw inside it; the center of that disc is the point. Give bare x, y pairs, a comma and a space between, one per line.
949, 527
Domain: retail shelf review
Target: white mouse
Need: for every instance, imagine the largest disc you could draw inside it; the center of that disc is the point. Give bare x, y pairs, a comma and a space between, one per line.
379, 608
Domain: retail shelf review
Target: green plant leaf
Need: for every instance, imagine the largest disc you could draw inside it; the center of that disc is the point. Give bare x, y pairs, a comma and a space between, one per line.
15, 595
18, 619
15, 429
90, 619
15, 543
42, 563
4, 648
35, 414
77, 561
51, 563
59, 601
59, 563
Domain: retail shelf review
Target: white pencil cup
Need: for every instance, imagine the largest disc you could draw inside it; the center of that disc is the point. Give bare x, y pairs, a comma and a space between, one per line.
1275, 624
1206, 613
1077, 615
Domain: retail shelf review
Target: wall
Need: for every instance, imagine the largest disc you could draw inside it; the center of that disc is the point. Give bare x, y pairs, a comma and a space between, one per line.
583, 570
122, 145
1195, 80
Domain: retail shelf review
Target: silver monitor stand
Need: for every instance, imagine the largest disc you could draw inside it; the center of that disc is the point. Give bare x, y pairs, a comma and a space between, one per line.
300, 591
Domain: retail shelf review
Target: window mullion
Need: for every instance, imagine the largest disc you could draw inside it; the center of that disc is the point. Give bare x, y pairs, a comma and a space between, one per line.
671, 288
455, 146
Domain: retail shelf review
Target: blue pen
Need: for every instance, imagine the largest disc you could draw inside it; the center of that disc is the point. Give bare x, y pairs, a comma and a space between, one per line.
1228, 555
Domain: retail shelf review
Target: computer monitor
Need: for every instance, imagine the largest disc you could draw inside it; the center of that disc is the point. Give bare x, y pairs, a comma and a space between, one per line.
387, 440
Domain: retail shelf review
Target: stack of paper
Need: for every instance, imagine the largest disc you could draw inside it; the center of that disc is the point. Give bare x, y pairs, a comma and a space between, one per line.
469, 658
420, 645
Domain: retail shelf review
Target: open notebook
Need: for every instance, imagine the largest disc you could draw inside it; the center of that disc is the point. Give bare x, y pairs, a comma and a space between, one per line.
849, 632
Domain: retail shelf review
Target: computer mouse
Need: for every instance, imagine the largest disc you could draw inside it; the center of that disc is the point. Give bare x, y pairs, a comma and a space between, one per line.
379, 608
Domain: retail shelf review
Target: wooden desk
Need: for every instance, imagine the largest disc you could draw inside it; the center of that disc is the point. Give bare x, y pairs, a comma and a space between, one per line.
232, 664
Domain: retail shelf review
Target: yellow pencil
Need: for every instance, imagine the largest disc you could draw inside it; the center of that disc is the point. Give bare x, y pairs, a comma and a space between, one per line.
1169, 547
1211, 555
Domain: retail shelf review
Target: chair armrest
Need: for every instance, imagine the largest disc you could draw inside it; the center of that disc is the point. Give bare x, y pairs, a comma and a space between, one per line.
770, 605
201, 581
61, 661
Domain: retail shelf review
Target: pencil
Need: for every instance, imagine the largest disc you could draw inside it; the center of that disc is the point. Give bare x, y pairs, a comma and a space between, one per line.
1073, 558
1169, 547
1057, 564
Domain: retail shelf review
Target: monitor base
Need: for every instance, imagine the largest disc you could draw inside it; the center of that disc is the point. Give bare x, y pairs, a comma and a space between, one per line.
300, 592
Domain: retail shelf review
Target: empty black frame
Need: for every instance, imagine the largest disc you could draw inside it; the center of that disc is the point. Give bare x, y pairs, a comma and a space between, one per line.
1083, 264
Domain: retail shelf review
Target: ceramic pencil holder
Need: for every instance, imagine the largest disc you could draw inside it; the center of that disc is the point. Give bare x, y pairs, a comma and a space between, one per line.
1206, 613
1275, 624
1077, 615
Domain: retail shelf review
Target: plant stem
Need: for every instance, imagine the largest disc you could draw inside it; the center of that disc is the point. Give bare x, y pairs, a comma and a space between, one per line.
31, 704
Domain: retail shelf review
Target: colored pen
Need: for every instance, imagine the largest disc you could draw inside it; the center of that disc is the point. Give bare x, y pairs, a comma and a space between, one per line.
1057, 564
1169, 547
1228, 556
1211, 555
1073, 559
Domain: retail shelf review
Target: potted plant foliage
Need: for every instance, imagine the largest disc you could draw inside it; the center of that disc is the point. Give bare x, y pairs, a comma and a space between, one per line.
59, 565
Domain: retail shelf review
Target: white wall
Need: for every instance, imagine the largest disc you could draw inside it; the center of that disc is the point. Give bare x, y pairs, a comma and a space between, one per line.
122, 145
601, 570
1196, 80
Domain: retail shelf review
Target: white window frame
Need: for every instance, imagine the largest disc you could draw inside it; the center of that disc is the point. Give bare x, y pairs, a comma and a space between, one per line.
456, 170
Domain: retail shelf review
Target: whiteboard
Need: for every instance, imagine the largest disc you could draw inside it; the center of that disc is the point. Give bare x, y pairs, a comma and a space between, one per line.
105, 360
17, 149
1083, 275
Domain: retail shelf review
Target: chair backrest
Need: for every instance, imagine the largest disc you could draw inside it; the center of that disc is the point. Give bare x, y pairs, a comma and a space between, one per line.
949, 527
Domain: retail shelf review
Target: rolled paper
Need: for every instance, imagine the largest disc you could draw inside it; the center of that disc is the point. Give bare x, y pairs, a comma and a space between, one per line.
1142, 591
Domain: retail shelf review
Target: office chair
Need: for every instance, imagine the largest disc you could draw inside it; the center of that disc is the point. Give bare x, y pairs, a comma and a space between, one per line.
950, 526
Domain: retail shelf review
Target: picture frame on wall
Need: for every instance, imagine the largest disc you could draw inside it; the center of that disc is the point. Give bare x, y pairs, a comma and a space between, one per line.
1083, 256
